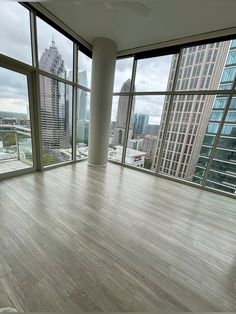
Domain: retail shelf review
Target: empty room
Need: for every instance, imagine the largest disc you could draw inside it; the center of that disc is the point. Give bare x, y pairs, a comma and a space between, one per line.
118, 156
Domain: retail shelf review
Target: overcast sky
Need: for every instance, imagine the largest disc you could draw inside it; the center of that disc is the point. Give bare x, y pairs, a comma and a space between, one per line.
152, 74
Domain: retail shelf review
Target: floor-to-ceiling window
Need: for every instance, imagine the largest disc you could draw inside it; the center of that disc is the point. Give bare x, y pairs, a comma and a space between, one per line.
45, 81
83, 105
15, 122
180, 117
120, 105
15, 102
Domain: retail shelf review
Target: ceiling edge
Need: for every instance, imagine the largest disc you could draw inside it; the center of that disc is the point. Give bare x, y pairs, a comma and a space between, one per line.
179, 41
39, 7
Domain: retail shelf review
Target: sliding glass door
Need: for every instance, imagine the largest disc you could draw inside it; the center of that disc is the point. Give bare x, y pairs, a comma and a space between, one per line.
16, 143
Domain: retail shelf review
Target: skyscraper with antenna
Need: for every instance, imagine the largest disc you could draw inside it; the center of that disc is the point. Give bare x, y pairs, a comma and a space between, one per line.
54, 102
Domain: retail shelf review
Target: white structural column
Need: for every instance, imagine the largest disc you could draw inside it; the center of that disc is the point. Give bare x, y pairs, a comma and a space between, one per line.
103, 71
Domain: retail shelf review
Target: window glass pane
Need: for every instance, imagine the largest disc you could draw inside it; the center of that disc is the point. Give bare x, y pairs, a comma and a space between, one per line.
233, 103
221, 187
216, 116
199, 172
202, 161
55, 51
84, 69
228, 74
15, 31
231, 57
155, 74
233, 43
229, 129
147, 112
123, 73
117, 127
227, 142
205, 151
56, 120
228, 181
201, 67
224, 86
220, 102
212, 128
231, 117
226, 155
197, 180
15, 130
208, 140
229, 70
82, 132
228, 168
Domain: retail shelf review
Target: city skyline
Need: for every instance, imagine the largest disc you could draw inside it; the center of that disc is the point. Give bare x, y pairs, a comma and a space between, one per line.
202, 67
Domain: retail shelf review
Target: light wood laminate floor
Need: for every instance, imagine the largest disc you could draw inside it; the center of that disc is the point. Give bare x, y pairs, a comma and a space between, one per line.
81, 238
12, 165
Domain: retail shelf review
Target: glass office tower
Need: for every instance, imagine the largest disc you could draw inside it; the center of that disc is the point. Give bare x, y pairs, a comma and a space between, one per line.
216, 165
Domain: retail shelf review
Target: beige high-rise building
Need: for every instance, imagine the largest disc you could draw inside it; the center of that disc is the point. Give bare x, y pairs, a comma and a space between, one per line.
149, 146
200, 69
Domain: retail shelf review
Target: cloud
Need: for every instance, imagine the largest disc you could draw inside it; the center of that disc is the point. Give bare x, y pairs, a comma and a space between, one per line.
150, 105
13, 105
152, 74
15, 31
13, 91
123, 72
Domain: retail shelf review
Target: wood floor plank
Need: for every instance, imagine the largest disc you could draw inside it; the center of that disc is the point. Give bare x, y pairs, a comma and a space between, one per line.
82, 238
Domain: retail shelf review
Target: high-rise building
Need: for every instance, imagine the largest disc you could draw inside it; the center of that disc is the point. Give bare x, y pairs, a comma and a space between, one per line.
200, 68
135, 143
222, 124
54, 102
82, 125
119, 132
140, 123
149, 146
151, 129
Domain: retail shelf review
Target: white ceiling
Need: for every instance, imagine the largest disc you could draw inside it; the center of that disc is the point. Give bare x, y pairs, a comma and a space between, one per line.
167, 19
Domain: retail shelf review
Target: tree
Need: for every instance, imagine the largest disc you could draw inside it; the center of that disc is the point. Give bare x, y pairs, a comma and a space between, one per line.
148, 164
9, 139
48, 160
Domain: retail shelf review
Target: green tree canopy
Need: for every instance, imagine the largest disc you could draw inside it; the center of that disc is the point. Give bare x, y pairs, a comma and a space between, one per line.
9, 139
